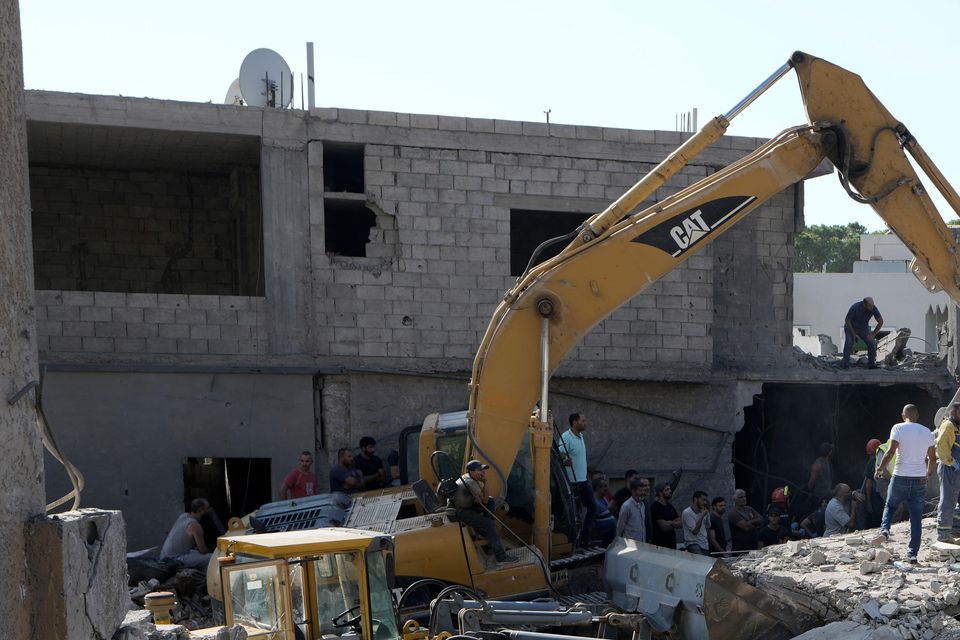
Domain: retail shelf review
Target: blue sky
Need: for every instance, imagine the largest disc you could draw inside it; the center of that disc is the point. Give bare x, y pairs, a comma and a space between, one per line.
634, 64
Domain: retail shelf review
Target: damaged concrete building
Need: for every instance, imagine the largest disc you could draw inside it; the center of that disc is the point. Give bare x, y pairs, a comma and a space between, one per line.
221, 287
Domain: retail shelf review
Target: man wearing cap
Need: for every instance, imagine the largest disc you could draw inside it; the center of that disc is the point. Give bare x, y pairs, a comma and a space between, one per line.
473, 505
948, 470
873, 503
573, 448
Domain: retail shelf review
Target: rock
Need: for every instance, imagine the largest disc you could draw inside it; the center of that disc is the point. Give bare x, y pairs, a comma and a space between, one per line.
846, 558
896, 580
828, 567
867, 567
935, 586
952, 597
854, 541
890, 609
882, 556
817, 557
872, 608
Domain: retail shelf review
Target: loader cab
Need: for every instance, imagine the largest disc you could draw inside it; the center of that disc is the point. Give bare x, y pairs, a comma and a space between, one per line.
320, 584
447, 433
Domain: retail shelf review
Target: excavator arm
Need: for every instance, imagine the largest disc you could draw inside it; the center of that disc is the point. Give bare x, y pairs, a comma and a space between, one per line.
617, 253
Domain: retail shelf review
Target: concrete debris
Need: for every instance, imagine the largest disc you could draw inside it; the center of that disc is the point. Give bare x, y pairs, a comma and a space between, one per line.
866, 593
138, 625
890, 348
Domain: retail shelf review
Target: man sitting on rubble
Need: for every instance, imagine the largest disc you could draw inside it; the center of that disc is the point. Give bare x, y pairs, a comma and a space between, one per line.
856, 324
473, 506
185, 542
841, 514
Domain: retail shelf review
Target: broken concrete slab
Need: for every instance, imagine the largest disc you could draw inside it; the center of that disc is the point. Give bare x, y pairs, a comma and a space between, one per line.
849, 630
890, 347
81, 574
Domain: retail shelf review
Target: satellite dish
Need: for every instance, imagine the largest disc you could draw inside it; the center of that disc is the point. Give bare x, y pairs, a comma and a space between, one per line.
265, 79
233, 93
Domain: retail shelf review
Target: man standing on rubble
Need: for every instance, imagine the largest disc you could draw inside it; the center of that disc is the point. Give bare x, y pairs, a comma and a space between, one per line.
573, 448
948, 470
857, 325
913, 443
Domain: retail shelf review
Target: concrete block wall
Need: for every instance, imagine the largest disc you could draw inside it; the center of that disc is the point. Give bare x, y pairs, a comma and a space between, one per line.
438, 257
451, 201
753, 296
107, 326
133, 231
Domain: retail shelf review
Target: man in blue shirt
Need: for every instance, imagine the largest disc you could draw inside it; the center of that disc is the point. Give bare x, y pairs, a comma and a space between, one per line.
573, 448
857, 325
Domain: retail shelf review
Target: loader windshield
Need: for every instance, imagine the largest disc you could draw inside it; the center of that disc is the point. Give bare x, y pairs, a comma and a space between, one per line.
337, 580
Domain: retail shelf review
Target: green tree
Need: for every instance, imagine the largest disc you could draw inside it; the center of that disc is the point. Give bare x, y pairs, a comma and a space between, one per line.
835, 247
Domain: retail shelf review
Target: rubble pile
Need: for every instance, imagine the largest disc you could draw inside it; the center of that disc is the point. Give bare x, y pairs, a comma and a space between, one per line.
864, 590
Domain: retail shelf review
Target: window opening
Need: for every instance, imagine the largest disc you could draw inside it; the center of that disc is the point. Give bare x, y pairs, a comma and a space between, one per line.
529, 228
347, 226
342, 167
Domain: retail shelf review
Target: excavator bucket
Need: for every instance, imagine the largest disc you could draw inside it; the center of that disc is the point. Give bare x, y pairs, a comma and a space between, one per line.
692, 596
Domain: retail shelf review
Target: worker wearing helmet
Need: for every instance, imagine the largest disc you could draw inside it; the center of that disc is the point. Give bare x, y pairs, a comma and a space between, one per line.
873, 503
948, 471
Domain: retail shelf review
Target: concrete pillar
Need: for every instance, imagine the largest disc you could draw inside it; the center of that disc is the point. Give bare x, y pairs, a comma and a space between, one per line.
21, 464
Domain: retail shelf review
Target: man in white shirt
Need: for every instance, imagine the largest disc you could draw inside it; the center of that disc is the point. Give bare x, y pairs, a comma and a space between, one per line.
916, 456
695, 524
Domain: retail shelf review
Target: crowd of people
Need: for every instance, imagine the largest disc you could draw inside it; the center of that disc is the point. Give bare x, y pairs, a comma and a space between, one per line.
893, 488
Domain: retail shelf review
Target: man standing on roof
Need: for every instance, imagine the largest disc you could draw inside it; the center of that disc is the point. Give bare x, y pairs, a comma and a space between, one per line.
857, 325
948, 470
573, 448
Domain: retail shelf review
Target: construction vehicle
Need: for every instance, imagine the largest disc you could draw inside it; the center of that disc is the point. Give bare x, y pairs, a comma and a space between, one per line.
610, 258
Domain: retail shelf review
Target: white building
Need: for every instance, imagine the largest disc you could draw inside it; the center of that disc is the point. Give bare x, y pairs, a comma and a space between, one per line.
821, 300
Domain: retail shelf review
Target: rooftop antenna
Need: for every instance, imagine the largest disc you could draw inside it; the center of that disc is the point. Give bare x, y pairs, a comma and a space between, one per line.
265, 79
547, 113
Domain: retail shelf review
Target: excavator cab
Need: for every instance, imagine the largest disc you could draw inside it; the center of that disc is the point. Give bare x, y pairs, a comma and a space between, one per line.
320, 584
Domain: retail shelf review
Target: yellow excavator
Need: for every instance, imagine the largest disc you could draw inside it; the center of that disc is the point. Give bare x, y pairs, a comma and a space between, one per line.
612, 257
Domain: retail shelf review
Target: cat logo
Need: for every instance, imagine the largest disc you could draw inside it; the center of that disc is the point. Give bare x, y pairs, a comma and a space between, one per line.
683, 231
690, 230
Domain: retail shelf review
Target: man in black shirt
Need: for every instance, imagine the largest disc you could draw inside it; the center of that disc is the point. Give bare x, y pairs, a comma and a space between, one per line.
374, 477
774, 532
665, 518
718, 533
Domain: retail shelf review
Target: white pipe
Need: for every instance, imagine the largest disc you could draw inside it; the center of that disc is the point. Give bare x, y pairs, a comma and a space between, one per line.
544, 366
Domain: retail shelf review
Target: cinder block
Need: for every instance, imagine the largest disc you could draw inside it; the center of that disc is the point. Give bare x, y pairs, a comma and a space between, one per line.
60, 313
65, 343
191, 346
78, 562
98, 345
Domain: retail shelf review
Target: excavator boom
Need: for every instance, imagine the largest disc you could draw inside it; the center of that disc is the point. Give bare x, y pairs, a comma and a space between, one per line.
618, 252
